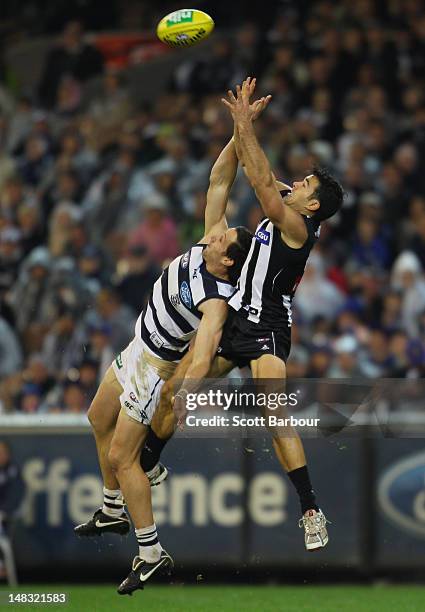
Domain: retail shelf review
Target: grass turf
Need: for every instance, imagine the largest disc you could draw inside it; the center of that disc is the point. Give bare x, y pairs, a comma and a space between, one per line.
204, 598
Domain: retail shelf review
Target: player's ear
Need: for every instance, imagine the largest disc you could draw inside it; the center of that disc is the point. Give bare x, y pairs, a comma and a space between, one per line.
313, 205
227, 261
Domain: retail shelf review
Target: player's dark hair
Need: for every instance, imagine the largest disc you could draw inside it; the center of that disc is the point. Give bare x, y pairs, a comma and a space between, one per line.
329, 193
238, 251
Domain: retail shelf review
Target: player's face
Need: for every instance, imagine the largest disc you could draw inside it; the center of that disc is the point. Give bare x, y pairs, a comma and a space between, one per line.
218, 245
301, 192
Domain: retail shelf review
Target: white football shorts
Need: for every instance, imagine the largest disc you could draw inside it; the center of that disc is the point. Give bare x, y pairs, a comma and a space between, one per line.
140, 380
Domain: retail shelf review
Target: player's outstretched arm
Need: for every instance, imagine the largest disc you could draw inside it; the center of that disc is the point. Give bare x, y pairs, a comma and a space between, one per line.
223, 174
214, 314
221, 180
255, 109
258, 170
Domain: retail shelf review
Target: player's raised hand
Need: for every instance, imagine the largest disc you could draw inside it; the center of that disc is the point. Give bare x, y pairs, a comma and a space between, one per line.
258, 106
247, 89
239, 105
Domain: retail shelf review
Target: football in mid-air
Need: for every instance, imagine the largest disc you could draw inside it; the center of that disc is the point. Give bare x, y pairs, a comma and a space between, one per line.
184, 28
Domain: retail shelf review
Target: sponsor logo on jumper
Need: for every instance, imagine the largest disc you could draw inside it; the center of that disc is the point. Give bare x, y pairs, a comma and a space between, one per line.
263, 236
184, 261
118, 361
156, 339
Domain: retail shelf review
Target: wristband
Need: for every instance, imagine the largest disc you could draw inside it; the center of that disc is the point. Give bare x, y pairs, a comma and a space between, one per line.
181, 396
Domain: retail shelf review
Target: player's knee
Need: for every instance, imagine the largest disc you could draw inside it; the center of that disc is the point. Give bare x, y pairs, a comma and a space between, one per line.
94, 416
97, 418
118, 458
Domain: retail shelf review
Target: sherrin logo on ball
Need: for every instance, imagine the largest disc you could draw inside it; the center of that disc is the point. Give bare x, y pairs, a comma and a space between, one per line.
184, 28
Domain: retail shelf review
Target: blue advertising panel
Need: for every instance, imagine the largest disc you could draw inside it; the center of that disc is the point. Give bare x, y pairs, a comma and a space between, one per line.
225, 503
198, 510
400, 491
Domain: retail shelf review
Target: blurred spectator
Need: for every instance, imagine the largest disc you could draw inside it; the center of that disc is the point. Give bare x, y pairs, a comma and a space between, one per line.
137, 274
391, 311
34, 161
70, 398
109, 311
20, 124
70, 57
30, 224
29, 294
99, 348
346, 364
377, 362
398, 351
369, 249
30, 399
407, 277
11, 254
65, 216
417, 243
157, 232
10, 350
88, 379
192, 228
59, 344
320, 362
316, 295
91, 266
112, 106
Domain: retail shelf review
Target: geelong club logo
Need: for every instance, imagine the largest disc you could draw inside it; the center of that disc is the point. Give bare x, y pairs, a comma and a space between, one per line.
401, 494
185, 294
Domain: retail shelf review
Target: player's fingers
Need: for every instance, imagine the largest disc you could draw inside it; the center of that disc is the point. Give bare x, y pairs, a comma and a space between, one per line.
231, 96
226, 103
245, 87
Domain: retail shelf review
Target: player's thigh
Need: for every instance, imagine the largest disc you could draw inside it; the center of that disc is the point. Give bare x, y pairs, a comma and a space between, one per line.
268, 366
163, 418
127, 441
105, 407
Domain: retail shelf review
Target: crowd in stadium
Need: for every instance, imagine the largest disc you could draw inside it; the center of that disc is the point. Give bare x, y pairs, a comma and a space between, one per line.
96, 195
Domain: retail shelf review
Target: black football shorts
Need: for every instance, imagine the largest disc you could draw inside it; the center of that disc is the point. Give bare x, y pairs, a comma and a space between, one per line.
243, 341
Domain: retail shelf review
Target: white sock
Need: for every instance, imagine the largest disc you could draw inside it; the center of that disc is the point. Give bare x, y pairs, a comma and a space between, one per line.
149, 547
113, 502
